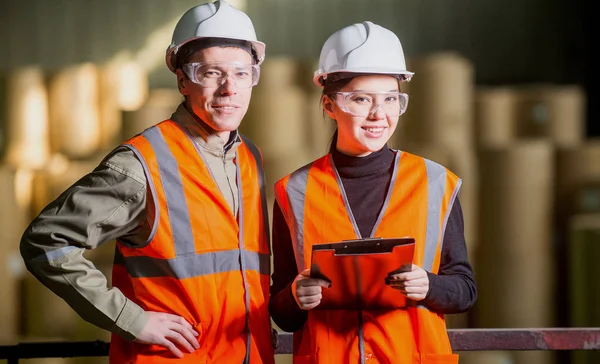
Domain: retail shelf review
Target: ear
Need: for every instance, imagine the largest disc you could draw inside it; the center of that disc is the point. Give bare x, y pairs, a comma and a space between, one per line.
328, 106
182, 82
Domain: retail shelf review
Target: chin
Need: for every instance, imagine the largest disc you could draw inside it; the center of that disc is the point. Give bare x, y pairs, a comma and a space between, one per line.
226, 124
373, 147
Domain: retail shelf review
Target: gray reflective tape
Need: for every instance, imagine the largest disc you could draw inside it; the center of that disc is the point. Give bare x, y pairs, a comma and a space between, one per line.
361, 337
177, 209
195, 265
345, 198
55, 254
296, 192
436, 184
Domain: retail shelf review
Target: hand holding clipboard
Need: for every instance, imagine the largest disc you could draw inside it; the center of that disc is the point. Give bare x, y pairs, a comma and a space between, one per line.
358, 270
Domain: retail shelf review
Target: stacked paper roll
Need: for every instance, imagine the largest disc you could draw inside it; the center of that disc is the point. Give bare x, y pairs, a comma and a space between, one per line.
553, 112
276, 120
440, 100
578, 171
515, 260
495, 116
276, 71
159, 106
15, 194
27, 129
123, 87
74, 111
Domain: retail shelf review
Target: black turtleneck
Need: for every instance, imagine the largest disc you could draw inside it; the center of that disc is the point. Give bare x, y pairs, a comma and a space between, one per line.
366, 181
375, 171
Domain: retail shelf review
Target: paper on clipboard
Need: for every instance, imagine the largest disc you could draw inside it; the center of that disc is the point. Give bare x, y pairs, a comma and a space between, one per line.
357, 270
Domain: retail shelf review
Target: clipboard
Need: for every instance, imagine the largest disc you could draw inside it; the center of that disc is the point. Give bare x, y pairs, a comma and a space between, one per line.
357, 270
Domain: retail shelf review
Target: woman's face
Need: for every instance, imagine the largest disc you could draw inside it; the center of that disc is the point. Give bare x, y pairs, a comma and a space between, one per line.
366, 111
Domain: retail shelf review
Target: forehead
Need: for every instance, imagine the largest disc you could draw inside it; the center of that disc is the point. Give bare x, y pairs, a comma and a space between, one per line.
373, 83
221, 54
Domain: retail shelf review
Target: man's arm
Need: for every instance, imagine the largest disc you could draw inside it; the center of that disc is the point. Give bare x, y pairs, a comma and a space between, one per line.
106, 204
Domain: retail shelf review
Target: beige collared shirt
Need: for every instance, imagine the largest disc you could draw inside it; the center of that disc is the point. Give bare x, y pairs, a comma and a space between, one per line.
107, 204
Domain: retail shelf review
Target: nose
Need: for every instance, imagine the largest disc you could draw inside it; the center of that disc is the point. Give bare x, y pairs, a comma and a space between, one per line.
227, 88
378, 113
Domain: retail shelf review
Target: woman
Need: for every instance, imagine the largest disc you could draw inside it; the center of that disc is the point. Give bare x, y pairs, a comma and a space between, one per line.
364, 189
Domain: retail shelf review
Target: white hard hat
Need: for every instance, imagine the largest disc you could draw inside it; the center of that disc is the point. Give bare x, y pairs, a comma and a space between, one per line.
218, 19
362, 48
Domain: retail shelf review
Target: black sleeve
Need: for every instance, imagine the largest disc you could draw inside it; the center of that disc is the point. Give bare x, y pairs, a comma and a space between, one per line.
453, 289
283, 308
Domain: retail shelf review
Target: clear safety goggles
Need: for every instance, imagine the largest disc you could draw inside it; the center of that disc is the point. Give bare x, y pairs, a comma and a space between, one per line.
360, 103
214, 74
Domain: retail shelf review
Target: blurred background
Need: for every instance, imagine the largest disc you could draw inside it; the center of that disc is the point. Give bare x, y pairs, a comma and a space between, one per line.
502, 95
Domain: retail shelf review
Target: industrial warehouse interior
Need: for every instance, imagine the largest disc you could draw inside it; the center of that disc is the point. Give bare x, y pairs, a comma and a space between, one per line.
503, 95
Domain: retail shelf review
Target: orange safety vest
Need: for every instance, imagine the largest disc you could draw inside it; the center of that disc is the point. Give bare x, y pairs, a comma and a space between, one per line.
200, 262
417, 204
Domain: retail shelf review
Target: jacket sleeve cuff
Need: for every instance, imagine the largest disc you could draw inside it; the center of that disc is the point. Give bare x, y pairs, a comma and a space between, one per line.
432, 295
131, 321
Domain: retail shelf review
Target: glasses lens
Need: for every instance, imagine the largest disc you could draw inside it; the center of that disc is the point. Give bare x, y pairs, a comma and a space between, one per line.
364, 104
215, 74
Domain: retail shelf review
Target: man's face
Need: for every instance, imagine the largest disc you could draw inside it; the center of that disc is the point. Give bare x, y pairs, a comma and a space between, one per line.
221, 107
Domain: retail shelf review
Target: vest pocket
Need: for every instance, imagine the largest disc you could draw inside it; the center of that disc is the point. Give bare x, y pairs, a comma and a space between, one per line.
439, 359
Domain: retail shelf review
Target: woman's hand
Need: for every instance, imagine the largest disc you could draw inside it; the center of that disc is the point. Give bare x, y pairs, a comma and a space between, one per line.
413, 284
307, 291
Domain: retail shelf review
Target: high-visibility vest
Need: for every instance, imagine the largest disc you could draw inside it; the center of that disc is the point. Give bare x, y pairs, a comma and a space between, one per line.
317, 211
200, 262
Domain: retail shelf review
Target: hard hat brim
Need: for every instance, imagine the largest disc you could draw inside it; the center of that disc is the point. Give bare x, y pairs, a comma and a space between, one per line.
363, 71
258, 46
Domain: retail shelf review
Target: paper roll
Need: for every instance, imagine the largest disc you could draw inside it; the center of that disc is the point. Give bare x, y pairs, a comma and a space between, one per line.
276, 121
553, 112
15, 194
495, 116
515, 268
74, 111
27, 126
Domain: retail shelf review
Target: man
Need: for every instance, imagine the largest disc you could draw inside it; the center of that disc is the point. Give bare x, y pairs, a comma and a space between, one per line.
185, 202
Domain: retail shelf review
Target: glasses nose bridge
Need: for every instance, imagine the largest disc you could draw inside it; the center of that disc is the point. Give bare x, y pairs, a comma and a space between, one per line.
376, 107
228, 76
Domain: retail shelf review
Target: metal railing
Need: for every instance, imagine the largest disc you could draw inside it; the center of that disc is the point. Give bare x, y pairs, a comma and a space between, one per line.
461, 340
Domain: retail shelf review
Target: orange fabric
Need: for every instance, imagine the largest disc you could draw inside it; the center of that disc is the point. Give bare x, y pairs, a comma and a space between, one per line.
213, 303
402, 336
